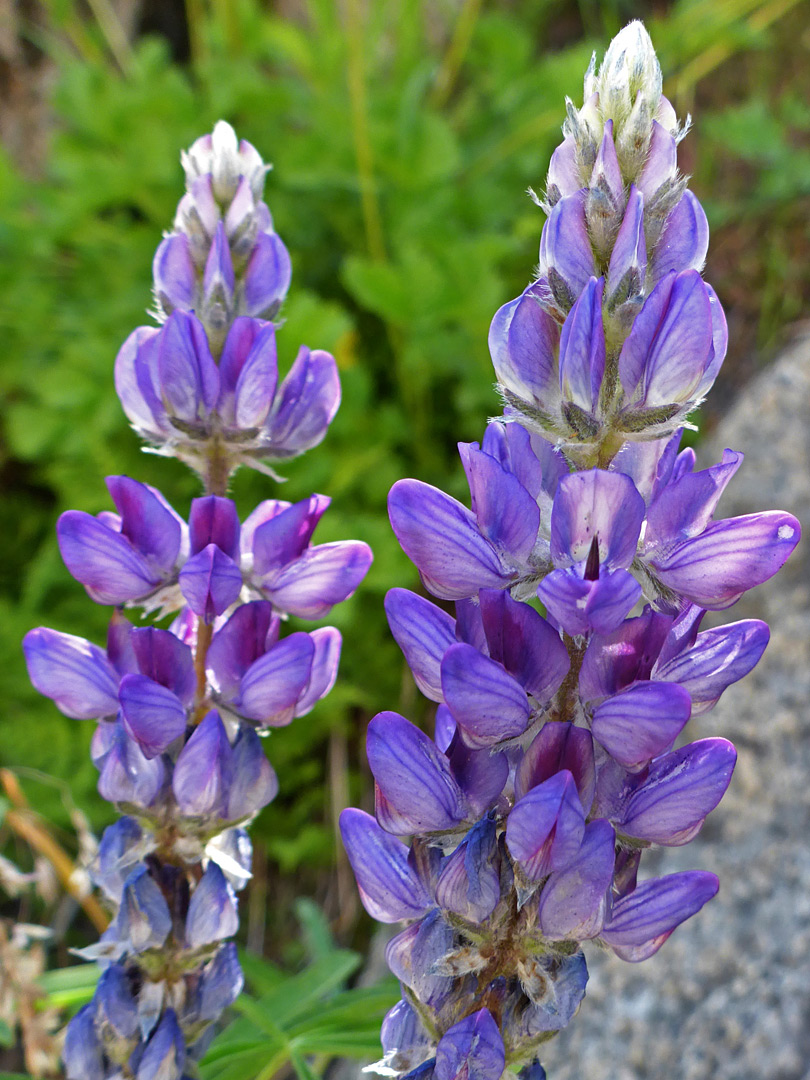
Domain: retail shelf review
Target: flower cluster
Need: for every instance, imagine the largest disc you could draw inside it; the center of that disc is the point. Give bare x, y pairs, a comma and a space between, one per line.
558, 756
180, 711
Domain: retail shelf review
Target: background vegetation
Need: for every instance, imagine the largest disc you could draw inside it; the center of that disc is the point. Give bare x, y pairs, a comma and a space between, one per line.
404, 134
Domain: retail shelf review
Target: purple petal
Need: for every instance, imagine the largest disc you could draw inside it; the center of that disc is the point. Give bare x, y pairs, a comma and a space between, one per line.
75, 674
210, 582
628, 261
143, 918
507, 515
218, 277
248, 370
661, 164
481, 774
214, 520
152, 715
103, 561
558, 747
166, 660
305, 405
719, 658
563, 171
720, 342
606, 172
684, 507
488, 703
136, 382
616, 659
174, 273
284, 532
189, 378
165, 1053
83, 1054
648, 464
327, 642
522, 342
527, 646
273, 684
246, 636
471, 1050
442, 538
684, 240
204, 769
147, 521
582, 348
671, 342
579, 605
545, 828
322, 577
221, 983
127, 775
565, 246
641, 722
511, 446
212, 914
597, 504
267, 277
424, 633
573, 903
412, 955
413, 777
253, 783
469, 884
642, 921
679, 791
390, 888
731, 556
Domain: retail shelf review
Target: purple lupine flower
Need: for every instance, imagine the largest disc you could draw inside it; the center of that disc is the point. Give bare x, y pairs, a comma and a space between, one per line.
557, 755
179, 711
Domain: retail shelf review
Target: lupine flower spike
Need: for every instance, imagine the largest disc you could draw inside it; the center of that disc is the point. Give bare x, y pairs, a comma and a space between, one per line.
515, 833
180, 712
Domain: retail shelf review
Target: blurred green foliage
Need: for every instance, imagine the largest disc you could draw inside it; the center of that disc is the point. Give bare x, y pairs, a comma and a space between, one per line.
404, 133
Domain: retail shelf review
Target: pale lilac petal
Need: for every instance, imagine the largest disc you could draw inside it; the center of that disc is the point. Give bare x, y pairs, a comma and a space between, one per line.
628, 261
424, 633
390, 888
684, 507
75, 674
641, 722
442, 538
413, 777
273, 684
566, 255
598, 504
322, 577
253, 782
487, 703
136, 382
563, 171
127, 775
679, 791
661, 164
573, 902
469, 884
326, 641
212, 914
152, 715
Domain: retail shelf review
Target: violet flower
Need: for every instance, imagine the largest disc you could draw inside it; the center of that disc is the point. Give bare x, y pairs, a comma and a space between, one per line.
180, 712
516, 833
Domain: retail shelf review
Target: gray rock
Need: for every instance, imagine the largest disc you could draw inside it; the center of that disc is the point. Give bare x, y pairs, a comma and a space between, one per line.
728, 996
